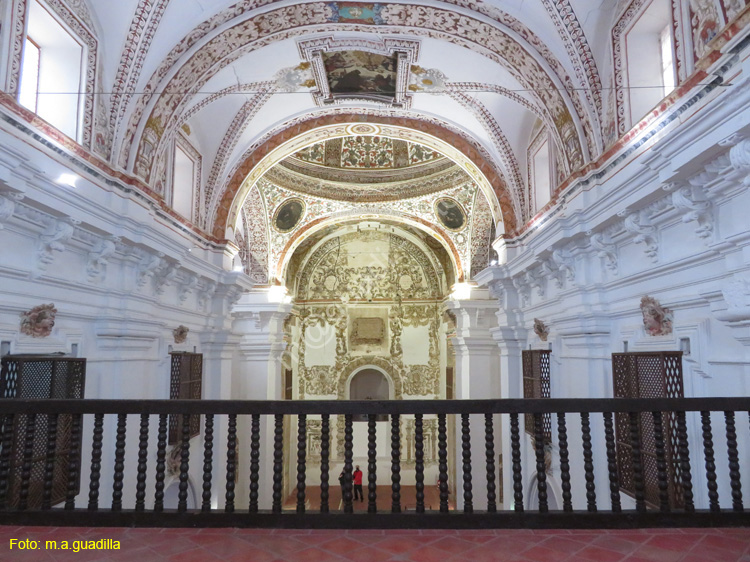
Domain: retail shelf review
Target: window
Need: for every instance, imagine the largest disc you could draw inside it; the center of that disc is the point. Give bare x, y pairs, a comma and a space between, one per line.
186, 383
51, 71
536, 384
185, 177
667, 60
541, 175
29, 94
649, 62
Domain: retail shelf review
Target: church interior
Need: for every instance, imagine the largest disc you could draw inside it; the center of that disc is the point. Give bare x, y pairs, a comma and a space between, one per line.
422, 200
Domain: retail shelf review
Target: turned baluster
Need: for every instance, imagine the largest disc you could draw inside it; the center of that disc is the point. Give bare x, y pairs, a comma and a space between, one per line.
708, 452
278, 459
489, 442
443, 463
348, 436
515, 447
588, 462
372, 458
734, 462
395, 464
324, 468
231, 463
119, 474
301, 450
661, 462
182, 489
419, 461
140, 486
208, 454
49, 464
541, 474
161, 457
635, 445
686, 481
562, 437
614, 477
74, 461
254, 462
466, 447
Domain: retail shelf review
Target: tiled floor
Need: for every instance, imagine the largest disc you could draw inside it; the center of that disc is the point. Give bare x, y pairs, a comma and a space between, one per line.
190, 545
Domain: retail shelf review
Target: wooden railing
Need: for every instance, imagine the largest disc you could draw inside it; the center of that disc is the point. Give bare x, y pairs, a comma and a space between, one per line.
677, 503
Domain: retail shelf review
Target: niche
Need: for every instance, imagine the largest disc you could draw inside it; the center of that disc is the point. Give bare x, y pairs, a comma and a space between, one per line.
369, 384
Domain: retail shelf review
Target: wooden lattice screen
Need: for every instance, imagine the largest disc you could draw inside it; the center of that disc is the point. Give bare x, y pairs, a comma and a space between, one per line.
655, 374
41, 377
186, 383
536, 371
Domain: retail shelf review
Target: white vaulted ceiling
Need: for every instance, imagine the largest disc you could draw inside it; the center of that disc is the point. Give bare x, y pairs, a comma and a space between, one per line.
239, 78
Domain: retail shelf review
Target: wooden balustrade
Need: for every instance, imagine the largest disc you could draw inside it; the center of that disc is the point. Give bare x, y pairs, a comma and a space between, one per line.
597, 455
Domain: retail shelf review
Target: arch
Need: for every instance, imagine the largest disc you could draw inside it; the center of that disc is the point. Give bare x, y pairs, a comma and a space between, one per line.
476, 163
502, 41
319, 224
361, 369
369, 362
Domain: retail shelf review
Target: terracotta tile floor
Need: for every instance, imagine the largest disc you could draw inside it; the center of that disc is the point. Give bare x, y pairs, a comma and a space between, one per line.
190, 545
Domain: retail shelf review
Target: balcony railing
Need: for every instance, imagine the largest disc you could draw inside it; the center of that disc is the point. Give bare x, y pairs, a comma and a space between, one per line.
629, 436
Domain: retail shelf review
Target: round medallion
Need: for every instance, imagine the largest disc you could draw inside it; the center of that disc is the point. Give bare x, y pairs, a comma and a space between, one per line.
363, 129
288, 214
450, 213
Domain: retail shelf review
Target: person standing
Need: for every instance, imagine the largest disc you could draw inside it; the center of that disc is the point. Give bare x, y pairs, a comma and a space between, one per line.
357, 481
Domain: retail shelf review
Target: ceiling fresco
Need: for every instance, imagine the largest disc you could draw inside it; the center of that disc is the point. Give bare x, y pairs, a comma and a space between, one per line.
366, 93
367, 152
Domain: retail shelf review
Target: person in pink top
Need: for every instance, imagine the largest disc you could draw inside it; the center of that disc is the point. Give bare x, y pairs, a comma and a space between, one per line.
357, 481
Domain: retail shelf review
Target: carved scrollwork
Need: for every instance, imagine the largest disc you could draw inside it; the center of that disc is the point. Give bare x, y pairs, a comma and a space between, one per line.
57, 234
693, 203
638, 223
606, 250
98, 258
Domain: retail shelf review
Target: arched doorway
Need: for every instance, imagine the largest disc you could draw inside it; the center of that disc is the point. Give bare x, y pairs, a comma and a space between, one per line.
369, 384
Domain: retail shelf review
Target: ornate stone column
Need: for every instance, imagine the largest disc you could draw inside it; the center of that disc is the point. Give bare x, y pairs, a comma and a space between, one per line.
259, 324
477, 377
509, 336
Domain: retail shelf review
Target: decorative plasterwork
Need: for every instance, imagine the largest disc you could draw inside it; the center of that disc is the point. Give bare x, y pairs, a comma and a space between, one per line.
143, 26
342, 129
371, 192
407, 271
657, 320
239, 124
39, 321
563, 16
419, 211
288, 21
405, 51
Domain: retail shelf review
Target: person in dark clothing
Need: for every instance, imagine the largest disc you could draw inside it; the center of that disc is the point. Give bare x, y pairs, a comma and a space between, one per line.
357, 481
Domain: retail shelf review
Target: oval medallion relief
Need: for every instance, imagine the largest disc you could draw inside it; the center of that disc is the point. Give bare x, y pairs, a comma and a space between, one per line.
288, 215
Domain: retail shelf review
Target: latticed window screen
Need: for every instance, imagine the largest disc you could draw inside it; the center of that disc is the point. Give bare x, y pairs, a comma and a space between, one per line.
40, 377
536, 370
186, 383
648, 375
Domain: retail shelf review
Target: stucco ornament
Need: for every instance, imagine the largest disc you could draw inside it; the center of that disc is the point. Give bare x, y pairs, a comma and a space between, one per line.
180, 333
39, 321
541, 329
657, 320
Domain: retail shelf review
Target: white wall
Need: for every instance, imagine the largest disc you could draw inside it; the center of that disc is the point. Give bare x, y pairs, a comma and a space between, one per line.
669, 221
